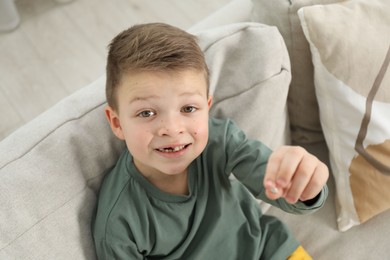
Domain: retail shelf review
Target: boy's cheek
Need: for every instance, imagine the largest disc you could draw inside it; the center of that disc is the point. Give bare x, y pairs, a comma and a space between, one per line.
202, 133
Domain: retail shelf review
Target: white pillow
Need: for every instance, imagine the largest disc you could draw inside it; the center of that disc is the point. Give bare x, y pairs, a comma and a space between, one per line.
349, 42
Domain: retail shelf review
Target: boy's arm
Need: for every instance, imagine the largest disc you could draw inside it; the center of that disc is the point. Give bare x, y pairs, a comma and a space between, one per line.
250, 169
260, 169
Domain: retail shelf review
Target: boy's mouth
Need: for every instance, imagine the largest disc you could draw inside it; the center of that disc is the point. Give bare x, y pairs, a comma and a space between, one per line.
173, 149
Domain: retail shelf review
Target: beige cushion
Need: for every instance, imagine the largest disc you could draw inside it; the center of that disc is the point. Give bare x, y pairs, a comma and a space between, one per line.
349, 42
302, 103
51, 169
250, 75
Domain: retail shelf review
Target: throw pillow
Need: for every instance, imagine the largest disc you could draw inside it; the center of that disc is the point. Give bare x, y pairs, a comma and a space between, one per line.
350, 44
302, 103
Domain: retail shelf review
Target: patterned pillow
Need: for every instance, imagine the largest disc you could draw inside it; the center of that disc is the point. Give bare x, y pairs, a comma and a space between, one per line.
350, 46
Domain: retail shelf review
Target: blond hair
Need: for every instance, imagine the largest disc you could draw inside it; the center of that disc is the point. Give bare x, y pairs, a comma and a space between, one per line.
151, 47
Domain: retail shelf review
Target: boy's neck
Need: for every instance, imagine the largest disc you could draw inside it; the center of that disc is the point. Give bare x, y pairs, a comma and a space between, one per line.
176, 184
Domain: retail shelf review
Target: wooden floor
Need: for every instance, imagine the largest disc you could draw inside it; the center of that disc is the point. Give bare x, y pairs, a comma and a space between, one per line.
59, 48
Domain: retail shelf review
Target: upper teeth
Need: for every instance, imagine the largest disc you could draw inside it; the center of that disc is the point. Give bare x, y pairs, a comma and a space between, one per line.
172, 149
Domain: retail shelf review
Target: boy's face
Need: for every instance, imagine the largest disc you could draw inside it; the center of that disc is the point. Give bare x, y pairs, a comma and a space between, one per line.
163, 118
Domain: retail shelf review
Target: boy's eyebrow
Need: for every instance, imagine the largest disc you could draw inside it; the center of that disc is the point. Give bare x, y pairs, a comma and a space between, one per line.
143, 98
191, 93
134, 99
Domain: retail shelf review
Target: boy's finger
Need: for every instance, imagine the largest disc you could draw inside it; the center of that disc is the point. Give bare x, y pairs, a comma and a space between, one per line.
298, 186
271, 170
292, 158
316, 183
270, 177
272, 191
301, 178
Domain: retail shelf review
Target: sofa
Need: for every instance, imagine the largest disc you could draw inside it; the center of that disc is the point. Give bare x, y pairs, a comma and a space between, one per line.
288, 72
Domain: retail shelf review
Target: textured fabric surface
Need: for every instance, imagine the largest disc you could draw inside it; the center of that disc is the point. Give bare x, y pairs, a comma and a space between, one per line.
49, 175
250, 75
51, 169
351, 57
302, 104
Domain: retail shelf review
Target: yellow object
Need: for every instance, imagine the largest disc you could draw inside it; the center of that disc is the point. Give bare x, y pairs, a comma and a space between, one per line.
300, 254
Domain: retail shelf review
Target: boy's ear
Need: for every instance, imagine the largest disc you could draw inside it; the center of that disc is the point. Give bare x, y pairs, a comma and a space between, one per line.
210, 101
114, 121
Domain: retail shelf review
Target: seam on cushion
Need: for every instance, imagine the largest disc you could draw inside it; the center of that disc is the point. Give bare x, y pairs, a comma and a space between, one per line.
253, 86
51, 132
45, 217
247, 27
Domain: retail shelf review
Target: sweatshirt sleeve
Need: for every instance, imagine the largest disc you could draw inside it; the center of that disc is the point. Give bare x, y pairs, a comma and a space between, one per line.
106, 250
247, 160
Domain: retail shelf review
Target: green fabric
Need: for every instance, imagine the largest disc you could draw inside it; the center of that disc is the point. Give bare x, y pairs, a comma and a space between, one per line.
219, 219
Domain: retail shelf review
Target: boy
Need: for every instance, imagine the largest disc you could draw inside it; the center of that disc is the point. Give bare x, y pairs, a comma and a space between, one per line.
170, 196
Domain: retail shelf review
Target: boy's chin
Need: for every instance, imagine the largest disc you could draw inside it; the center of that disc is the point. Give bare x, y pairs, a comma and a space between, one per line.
175, 171
176, 168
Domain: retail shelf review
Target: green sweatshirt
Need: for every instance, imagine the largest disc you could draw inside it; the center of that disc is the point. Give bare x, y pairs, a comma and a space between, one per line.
219, 219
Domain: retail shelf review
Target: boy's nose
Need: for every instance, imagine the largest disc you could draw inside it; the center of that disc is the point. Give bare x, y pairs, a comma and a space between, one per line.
170, 126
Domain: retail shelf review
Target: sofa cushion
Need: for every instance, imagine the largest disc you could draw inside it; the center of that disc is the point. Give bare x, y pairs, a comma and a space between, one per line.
302, 103
351, 56
250, 75
48, 172
51, 169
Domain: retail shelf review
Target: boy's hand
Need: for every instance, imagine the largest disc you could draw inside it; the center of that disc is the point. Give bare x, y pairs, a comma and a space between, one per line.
294, 174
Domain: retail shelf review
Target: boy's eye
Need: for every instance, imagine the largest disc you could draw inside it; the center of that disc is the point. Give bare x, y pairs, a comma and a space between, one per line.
146, 113
188, 109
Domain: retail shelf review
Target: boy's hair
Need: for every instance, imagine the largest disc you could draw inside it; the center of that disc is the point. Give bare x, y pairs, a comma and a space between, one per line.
151, 47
